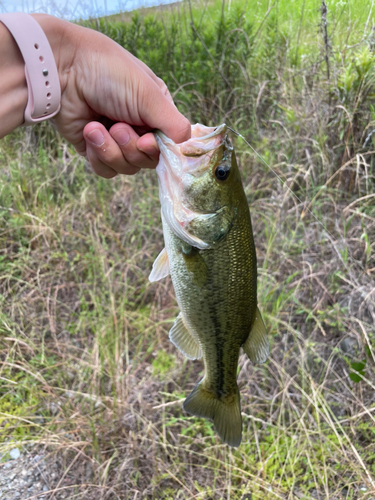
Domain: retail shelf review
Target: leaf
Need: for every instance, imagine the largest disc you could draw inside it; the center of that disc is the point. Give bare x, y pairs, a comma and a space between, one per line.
356, 377
358, 367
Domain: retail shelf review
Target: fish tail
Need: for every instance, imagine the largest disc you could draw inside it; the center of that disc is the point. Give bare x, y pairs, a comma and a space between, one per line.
224, 412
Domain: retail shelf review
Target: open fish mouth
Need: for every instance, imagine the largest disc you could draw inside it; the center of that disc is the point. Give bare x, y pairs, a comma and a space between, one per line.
199, 133
178, 164
203, 140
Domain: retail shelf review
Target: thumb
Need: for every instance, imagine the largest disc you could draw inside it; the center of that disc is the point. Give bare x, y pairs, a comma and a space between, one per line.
157, 110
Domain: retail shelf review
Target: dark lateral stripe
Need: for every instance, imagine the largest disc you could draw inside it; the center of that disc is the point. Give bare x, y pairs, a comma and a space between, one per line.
219, 386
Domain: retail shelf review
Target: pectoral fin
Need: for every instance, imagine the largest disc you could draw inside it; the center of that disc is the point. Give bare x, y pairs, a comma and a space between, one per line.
160, 268
184, 340
256, 345
211, 228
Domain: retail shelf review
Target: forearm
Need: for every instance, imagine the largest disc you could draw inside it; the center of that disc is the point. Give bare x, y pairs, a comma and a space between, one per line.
13, 88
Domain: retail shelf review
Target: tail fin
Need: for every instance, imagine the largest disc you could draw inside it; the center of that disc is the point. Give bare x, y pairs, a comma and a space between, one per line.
225, 414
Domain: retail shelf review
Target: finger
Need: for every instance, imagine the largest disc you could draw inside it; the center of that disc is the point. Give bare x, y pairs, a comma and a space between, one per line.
108, 152
165, 90
156, 79
161, 84
158, 111
98, 166
149, 72
127, 139
147, 143
144, 67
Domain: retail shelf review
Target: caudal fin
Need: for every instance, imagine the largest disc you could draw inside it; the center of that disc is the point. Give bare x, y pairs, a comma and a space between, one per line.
225, 413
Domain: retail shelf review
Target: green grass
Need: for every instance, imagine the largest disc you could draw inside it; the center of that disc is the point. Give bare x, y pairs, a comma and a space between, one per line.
87, 370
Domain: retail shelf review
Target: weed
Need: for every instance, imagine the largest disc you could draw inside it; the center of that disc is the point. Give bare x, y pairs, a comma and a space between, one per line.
87, 369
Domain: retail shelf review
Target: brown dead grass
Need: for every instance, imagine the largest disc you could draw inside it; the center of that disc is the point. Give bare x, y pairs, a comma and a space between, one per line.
87, 371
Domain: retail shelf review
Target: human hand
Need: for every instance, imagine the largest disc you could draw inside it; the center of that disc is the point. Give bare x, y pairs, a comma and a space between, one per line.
103, 84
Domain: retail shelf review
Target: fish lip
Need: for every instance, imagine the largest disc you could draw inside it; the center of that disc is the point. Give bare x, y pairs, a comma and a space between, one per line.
163, 139
184, 157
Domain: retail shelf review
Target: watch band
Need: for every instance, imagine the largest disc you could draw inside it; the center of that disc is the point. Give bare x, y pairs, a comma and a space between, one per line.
40, 67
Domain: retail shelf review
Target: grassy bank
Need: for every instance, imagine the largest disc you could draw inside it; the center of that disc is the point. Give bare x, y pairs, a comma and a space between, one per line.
87, 370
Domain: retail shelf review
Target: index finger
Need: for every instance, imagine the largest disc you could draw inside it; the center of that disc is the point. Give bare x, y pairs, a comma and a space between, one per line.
158, 111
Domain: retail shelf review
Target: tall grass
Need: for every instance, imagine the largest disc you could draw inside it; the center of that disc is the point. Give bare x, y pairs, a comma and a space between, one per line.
87, 371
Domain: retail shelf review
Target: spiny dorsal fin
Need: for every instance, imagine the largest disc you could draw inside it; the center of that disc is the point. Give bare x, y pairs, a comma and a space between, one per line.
225, 412
160, 268
184, 340
256, 345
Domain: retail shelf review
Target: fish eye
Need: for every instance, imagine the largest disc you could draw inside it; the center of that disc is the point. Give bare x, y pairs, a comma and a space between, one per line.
222, 172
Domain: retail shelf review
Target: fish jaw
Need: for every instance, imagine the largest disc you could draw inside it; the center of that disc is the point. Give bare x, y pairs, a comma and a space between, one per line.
179, 165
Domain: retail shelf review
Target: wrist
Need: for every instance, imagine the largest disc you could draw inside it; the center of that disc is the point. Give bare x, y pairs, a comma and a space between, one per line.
13, 88
57, 33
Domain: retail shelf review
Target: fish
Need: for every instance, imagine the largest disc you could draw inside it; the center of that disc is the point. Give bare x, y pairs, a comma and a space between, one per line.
210, 255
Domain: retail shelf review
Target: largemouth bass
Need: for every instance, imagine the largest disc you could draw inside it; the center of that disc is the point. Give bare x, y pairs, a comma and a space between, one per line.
210, 255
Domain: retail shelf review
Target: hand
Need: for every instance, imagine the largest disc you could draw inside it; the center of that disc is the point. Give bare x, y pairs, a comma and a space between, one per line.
103, 84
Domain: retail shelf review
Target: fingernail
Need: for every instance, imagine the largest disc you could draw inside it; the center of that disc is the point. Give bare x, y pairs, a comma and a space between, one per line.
121, 137
96, 137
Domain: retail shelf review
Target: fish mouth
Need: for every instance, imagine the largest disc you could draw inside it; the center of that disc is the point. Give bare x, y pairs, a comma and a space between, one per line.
198, 133
187, 157
177, 164
203, 140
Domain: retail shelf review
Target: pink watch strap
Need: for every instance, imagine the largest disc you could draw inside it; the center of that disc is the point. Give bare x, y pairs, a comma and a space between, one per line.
40, 67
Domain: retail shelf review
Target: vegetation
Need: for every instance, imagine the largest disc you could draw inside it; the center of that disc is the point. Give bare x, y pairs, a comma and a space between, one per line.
87, 370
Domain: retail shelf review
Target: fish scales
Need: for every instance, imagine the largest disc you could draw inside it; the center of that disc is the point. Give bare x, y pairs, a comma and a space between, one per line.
215, 290
210, 254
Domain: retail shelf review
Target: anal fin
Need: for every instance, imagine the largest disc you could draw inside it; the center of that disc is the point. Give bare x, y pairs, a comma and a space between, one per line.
184, 340
256, 345
160, 268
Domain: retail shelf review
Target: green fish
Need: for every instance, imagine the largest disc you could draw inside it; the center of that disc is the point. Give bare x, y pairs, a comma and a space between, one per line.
210, 254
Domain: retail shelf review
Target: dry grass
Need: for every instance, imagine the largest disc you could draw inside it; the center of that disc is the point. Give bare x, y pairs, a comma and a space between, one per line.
87, 371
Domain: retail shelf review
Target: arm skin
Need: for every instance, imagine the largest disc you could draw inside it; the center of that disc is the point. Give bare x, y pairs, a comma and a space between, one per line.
100, 83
